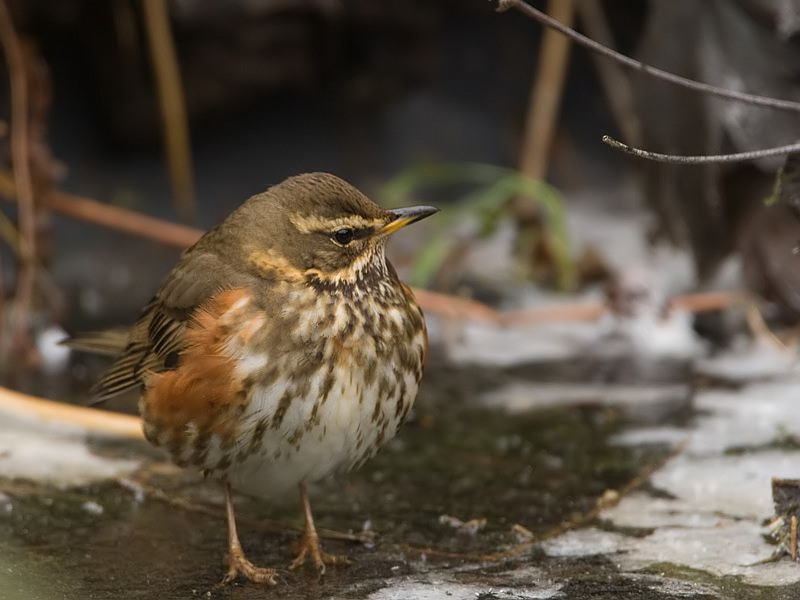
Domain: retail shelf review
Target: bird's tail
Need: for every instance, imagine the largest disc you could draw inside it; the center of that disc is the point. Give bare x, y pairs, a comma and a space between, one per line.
109, 342
120, 377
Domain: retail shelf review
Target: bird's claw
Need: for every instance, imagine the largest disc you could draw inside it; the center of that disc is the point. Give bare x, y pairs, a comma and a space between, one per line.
309, 548
239, 565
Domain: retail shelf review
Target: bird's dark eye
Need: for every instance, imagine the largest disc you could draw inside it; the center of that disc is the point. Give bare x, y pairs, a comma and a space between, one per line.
343, 236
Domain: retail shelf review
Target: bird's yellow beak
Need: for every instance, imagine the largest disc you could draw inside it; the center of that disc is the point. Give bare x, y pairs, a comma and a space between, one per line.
406, 216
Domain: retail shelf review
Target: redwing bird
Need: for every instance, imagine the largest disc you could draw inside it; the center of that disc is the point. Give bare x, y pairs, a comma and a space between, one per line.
281, 348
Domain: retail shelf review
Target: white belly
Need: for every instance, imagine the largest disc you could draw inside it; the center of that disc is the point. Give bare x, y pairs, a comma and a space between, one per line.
347, 427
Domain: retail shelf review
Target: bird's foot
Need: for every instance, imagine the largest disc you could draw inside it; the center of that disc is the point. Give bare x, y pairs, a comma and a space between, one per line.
308, 547
239, 565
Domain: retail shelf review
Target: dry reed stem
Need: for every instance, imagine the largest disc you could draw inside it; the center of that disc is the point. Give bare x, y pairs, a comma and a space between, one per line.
172, 104
545, 99
20, 159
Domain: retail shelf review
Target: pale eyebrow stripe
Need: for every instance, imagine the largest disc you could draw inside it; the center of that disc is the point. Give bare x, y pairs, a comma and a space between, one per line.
311, 223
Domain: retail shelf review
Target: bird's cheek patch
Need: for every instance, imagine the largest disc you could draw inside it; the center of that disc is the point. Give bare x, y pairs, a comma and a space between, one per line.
272, 264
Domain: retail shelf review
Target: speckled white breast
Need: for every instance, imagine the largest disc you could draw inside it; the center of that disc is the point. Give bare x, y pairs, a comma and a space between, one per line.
357, 388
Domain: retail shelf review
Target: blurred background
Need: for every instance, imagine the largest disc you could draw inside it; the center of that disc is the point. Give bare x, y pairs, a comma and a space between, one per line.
181, 110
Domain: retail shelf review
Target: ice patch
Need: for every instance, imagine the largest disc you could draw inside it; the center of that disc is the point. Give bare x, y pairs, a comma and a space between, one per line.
55, 458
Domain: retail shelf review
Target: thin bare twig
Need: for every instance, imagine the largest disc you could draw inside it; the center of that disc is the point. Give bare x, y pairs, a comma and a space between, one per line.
701, 159
699, 302
455, 308
172, 103
541, 17
465, 309
172, 234
113, 217
574, 311
20, 158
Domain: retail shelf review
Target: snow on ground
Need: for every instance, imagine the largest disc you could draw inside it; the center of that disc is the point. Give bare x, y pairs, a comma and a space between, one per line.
714, 495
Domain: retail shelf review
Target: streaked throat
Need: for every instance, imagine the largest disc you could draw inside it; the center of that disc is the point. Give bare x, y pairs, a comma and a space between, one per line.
360, 277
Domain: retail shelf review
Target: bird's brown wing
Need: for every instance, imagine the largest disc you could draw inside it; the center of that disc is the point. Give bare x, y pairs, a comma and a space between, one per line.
156, 340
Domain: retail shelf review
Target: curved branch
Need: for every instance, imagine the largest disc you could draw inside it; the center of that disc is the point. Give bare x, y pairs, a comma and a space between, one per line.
701, 159
533, 13
120, 219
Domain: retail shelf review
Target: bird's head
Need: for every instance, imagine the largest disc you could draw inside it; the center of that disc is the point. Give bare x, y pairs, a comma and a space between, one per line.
318, 226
